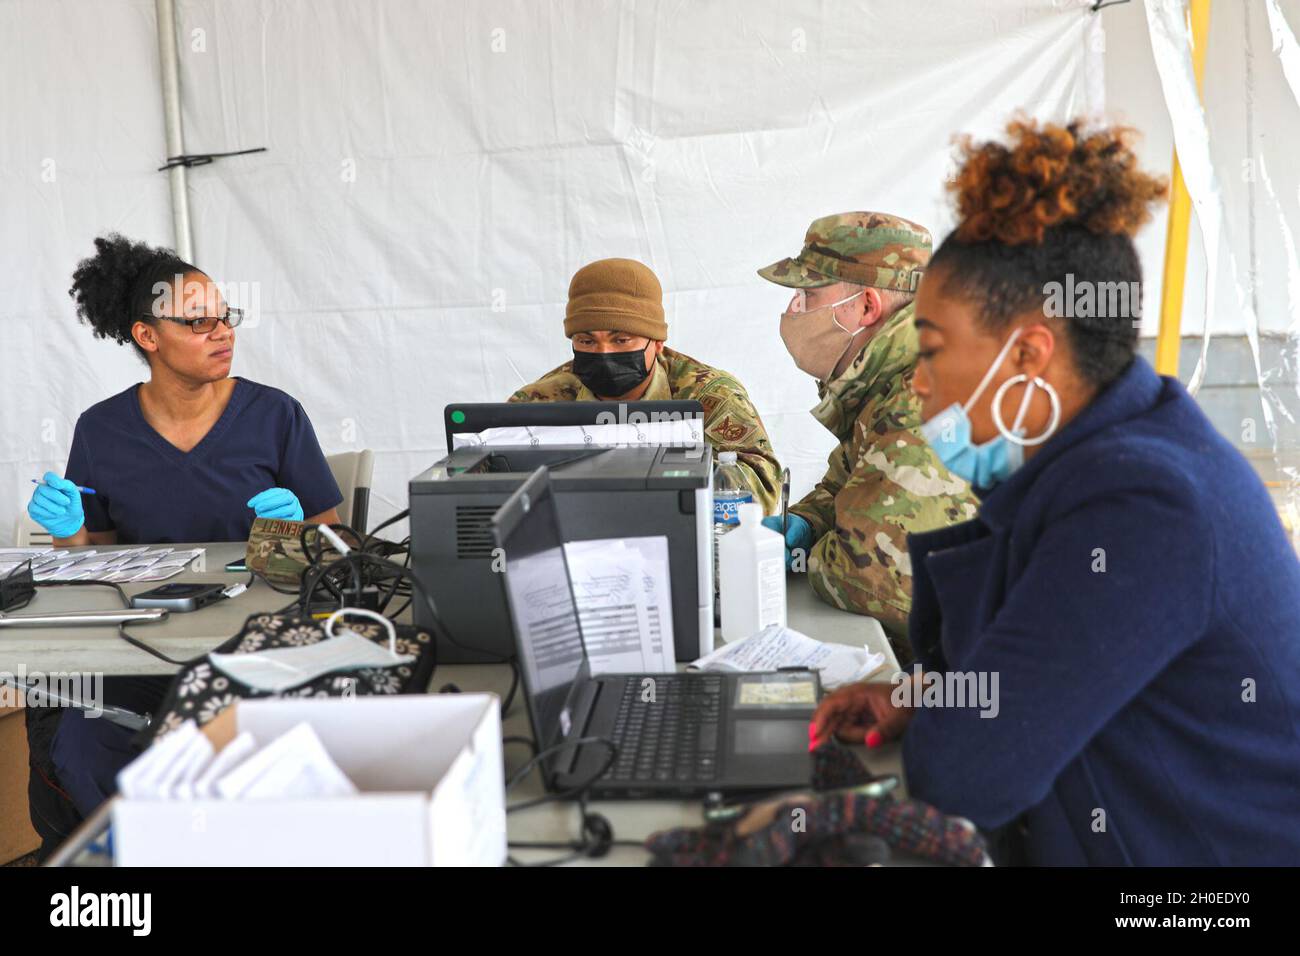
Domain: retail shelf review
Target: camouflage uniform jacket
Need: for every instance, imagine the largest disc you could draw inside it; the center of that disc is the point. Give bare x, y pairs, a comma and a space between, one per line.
731, 422
882, 482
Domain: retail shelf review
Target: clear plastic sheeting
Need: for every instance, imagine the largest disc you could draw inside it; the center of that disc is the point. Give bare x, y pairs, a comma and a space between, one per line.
436, 172
1238, 155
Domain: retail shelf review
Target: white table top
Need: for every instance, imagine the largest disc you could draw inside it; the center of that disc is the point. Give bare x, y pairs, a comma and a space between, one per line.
51, 650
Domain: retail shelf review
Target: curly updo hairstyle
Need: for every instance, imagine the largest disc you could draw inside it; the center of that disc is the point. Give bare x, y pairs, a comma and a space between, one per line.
1053, 202
114, 288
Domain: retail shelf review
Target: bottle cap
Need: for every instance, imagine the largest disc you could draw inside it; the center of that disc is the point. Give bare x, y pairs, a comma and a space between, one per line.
750, 513
727, 457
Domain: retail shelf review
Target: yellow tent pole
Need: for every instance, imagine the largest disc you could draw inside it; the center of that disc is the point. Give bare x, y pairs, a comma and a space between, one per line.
1180, 220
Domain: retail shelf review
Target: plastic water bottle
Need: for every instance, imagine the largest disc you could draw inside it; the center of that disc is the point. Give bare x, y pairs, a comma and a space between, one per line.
730, 491
752, 562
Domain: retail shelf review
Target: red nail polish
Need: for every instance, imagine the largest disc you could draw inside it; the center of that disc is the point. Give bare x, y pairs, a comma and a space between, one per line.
874, 739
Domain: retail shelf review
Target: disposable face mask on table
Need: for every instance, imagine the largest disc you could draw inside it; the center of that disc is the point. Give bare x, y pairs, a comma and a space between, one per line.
816, 340
282, 668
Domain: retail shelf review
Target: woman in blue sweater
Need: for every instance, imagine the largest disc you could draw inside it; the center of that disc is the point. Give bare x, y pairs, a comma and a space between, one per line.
1127, 589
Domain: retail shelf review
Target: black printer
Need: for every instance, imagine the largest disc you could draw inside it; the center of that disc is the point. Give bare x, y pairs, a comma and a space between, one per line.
602, 492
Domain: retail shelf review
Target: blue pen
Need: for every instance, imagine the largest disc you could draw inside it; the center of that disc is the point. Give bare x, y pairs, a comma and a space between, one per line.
84, 491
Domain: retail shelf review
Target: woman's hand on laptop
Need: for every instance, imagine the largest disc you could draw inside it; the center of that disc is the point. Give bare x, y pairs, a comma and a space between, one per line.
859, 714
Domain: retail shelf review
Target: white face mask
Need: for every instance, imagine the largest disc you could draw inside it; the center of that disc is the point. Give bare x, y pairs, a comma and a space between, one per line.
816, 340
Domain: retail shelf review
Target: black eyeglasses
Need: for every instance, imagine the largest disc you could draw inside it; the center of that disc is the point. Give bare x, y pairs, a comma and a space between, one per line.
205, 324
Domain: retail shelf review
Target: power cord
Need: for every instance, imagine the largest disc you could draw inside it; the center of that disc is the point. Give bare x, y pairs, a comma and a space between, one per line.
121, 627
136, 642
597, 833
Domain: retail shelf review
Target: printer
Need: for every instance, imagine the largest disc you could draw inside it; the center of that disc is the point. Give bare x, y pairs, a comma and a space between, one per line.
611, 492
602, 491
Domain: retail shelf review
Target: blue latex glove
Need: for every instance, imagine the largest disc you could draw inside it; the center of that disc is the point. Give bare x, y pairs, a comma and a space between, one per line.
276, 503
56, 506
798, 534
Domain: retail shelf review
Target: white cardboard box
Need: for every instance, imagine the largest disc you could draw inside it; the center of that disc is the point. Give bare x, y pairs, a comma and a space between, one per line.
429, 768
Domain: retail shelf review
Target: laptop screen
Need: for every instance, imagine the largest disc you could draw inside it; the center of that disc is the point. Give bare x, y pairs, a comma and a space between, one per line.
542, 608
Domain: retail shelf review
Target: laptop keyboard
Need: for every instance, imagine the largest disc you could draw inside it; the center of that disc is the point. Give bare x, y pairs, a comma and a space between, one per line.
673, 738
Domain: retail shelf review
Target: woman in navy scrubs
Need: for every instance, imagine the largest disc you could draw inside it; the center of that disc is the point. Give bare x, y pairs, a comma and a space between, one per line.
191, 455
1126, 592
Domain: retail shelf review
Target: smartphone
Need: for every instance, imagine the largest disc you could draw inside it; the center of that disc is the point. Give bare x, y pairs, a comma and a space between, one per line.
179, 597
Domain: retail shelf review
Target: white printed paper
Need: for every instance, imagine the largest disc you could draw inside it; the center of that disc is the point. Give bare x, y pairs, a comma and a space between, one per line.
777, 647
624, 603
678, 431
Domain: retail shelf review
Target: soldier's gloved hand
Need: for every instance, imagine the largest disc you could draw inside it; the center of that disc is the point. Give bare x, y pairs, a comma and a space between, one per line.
798, 536
276, 503
56, 506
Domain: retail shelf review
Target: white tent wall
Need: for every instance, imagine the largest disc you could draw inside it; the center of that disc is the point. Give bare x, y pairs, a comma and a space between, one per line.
1251, 115
1133, 99
80, 138
436, 171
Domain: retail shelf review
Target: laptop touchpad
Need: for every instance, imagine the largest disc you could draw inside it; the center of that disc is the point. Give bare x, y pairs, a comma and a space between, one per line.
756, 736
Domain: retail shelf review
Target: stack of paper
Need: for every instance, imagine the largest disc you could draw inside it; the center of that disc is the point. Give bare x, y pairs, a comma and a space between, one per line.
777, 647
118, 565
624, 603
184, 765
678, 431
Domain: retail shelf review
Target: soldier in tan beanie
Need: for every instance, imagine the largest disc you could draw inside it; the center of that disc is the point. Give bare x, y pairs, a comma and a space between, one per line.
615, 319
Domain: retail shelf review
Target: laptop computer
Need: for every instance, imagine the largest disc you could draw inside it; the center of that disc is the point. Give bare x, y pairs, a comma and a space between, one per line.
674, 734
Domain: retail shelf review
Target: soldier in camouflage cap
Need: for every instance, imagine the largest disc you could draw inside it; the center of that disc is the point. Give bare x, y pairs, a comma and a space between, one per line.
850, 327
862, 248
615, 320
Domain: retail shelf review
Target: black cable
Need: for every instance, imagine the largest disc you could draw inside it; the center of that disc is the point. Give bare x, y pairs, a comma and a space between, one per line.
22, 584
384, 574
357, 562
397, 580
275, 587
528, 742
440, 630
314, 559
572, 792
121, 627
126, 601
136, 642
514, 686
404, 513
597, 833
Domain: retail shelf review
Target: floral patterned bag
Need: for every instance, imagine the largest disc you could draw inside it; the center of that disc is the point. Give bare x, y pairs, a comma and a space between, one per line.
201, 692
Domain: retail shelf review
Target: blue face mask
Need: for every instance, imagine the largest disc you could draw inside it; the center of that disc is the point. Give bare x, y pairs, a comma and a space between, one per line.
948, 433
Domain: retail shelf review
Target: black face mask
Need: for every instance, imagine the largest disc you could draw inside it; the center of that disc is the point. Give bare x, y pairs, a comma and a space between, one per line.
610, 374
